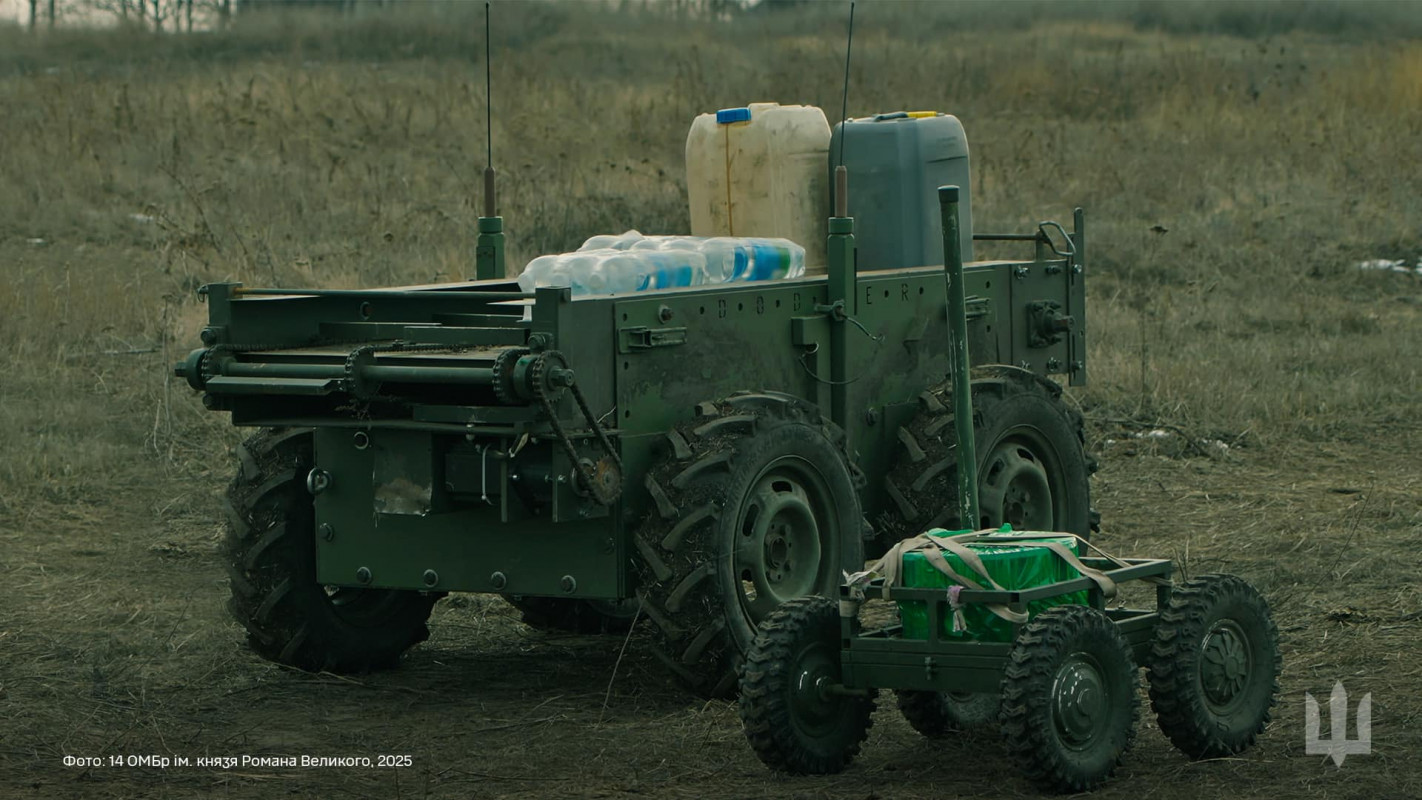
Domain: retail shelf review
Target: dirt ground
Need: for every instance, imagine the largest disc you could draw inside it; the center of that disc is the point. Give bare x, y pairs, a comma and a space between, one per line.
117, 646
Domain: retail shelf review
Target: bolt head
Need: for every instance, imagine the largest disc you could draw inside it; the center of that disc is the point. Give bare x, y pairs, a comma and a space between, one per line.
209, 401
498, 580
327, 531
430, 578
363, 575
317, 481
569, 583
208, 336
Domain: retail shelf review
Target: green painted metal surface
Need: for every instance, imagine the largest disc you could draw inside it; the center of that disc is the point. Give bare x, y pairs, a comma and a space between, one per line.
489, 249
432, 376
958, 360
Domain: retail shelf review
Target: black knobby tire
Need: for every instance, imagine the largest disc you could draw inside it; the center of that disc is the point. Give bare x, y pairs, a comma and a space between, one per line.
1069, 699
270, 553
792, 721
574, 616
754, 502
1033, 471
939, 714
1214, 666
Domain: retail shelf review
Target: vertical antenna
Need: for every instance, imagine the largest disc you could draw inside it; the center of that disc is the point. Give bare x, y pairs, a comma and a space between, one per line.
488, 114
844, 101
841, 175
489, 251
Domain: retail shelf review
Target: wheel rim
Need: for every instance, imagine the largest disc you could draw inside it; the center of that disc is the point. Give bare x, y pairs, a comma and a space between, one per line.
814, 710
1225, 665
1081, 707
1014, 486
783, 522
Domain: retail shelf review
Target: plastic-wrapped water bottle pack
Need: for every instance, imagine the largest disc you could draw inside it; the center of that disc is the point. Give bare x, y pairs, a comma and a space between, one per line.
632, 262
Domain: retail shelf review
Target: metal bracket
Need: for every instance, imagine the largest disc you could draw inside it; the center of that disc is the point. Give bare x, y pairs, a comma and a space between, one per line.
1046, 324
644, 338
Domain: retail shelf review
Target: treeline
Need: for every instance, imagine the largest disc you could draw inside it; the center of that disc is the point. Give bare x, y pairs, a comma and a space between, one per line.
455, 24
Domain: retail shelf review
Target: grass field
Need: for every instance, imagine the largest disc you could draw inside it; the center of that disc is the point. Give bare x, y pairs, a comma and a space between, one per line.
1275, 145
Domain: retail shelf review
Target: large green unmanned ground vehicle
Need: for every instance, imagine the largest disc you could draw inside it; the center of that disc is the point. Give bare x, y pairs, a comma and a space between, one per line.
692, 457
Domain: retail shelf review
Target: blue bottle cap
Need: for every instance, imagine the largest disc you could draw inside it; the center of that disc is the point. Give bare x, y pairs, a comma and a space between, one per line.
728, 115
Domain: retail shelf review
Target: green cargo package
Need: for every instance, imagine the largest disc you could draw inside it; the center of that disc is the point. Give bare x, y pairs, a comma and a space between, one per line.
1013, 566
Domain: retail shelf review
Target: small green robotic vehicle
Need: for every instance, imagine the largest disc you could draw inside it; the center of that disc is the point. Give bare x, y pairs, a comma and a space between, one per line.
690, 457
1019, 619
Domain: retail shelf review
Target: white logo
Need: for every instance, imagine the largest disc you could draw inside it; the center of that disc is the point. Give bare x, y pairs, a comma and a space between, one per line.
1338, 746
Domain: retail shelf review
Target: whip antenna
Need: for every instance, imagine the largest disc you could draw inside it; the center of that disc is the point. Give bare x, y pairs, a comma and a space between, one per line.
489, 250
488, 114
841, 175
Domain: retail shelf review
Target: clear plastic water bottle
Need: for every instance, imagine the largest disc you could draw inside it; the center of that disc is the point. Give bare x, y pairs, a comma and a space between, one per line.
537, 272
731, 257
622, 272
632, 262
774, 259
677, 268
622, 241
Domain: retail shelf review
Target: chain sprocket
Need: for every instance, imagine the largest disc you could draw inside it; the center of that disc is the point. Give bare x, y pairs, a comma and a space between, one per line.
601, 480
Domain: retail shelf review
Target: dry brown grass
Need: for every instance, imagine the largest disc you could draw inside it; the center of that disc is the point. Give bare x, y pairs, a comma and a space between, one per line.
348, 155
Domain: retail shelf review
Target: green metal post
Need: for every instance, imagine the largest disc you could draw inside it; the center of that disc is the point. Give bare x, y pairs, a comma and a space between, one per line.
489, 250
958, 361
842, 297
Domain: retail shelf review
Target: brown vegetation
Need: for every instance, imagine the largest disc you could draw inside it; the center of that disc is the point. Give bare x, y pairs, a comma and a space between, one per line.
1232, 181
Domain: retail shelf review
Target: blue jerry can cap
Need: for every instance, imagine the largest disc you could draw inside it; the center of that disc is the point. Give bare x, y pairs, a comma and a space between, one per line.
728, 115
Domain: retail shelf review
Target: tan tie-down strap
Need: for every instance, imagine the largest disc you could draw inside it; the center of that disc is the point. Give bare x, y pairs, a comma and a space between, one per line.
890, 567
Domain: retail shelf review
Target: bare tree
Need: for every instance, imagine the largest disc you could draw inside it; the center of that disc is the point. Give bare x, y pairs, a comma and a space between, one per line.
34, 13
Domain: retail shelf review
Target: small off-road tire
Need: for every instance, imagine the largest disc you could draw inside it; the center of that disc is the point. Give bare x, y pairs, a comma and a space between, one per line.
1214, 666
938, 714
270, 554
1033, 471
754, 502
792, 721
574, 616
1069, 699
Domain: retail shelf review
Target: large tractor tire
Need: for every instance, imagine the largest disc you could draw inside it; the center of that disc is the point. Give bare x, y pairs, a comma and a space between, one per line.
755, 503
1033, 471
270, 552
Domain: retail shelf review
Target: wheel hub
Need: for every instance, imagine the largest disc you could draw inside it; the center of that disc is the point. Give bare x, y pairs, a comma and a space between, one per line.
778, 553
813, 705
1224, 664
1080, 705
1015, 489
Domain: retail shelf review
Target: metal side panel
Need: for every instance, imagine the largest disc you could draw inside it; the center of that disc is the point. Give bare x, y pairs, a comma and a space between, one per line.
385, 513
